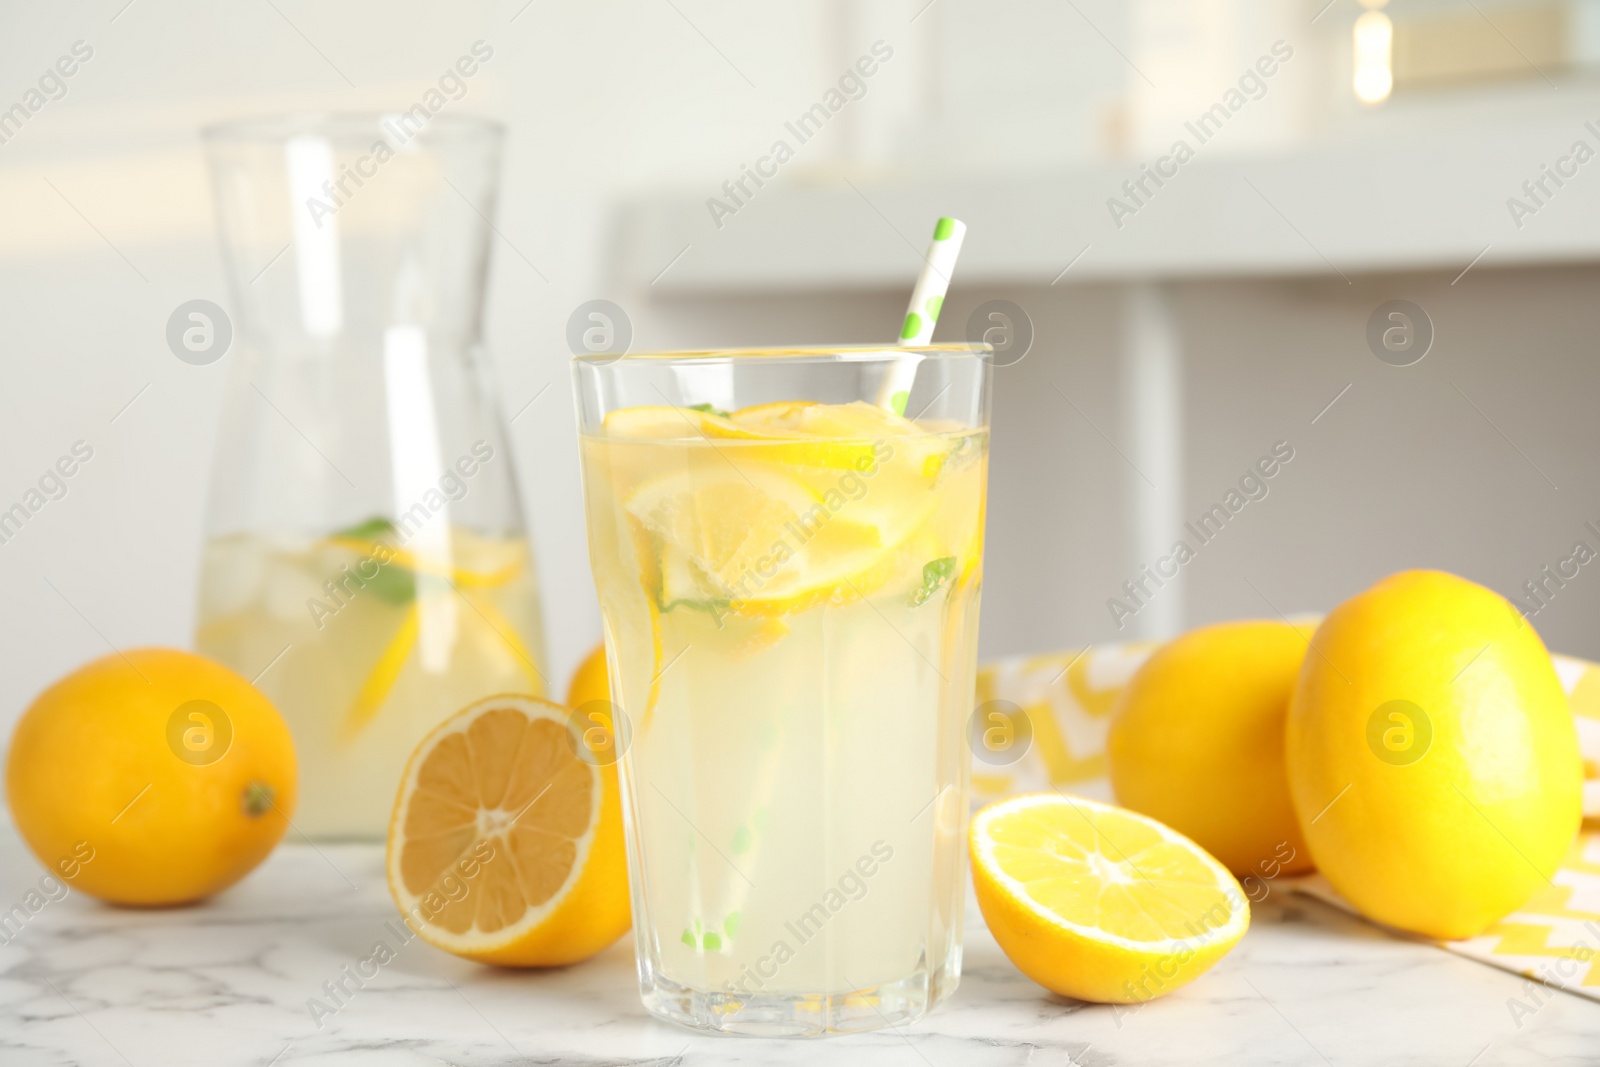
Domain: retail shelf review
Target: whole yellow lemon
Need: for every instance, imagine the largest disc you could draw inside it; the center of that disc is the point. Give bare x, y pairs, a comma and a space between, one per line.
151, 777
589, 681
1196, 742
1432, 758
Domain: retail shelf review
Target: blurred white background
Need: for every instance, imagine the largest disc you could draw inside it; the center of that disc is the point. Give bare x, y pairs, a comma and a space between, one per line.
1170, 352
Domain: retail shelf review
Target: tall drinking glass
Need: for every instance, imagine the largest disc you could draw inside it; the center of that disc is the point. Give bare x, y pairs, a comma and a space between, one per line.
366, 562
788, 576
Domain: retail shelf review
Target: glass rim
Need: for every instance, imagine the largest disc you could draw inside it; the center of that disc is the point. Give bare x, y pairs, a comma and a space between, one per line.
345, 127
854, 353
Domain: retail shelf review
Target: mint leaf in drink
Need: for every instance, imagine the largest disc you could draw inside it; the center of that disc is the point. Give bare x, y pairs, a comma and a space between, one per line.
370, 530
685, 583
934, 574
936, 466
393, 584
714, 607
709, 410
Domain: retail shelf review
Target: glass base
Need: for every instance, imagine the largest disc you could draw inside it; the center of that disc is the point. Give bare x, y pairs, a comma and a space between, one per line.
800, 1014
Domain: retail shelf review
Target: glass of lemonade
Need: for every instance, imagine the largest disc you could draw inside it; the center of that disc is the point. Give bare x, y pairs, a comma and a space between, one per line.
366, 562
788, 570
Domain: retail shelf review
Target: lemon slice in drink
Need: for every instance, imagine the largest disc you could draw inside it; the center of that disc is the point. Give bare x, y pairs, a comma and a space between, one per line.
1098, 903
652, 421
856, 419
631, 617
380, 680
504, 846
781, 428
755, 540
857, 435
634, 631
784, 416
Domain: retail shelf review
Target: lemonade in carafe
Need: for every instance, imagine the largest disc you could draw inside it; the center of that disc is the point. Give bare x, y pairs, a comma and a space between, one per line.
366, 563
364, 648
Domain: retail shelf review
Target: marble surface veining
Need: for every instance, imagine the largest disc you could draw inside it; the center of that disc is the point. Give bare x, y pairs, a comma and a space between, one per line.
228, 982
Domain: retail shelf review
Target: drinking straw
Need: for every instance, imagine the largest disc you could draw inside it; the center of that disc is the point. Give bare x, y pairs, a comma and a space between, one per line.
927, 298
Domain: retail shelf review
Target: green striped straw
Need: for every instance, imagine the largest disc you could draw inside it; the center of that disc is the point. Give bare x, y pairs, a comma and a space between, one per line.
927, 298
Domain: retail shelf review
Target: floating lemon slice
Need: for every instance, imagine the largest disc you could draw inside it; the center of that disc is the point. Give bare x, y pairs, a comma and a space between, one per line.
757, 541
504, 846
385, 673
633, 630
856, 419
800, 433
380, 680
784, 416
652, 421
1098, 903
783, 429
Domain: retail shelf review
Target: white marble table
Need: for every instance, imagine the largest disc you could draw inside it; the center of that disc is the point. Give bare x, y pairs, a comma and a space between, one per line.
228, 982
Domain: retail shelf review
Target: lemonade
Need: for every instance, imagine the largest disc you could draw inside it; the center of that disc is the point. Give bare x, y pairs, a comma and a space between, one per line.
365, 645
790, 595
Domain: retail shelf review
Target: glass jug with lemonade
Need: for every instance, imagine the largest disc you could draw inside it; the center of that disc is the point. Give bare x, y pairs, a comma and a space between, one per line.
366, 562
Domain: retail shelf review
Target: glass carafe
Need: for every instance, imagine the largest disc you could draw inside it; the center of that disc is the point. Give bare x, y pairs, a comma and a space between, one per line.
366, 561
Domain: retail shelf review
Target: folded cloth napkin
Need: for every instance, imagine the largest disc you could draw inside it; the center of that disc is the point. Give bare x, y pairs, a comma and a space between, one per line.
1068, 697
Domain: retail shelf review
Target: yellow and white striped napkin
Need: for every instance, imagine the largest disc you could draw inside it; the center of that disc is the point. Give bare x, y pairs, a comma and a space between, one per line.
1068, 698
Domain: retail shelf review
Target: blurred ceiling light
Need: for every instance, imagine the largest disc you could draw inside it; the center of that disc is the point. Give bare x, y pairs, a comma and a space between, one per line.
1374, 46
1437, 47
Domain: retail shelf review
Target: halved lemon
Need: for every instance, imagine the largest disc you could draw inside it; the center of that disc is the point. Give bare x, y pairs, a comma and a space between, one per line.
504, 846
1098, 903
